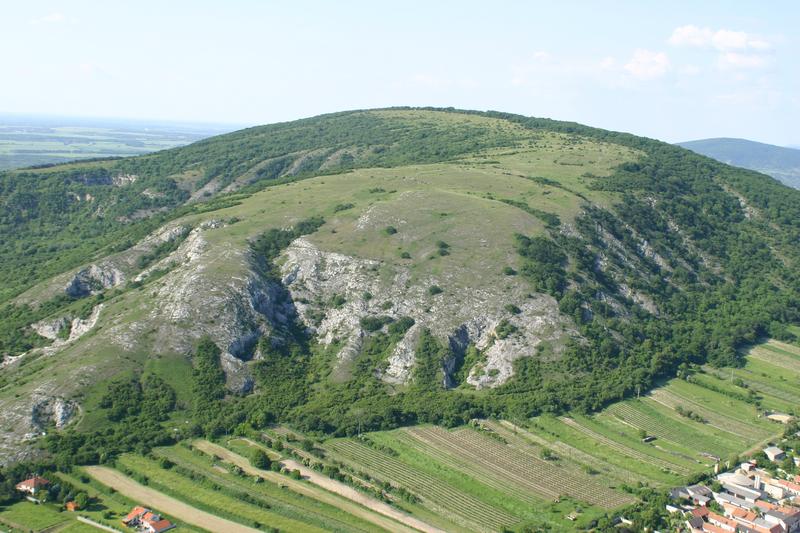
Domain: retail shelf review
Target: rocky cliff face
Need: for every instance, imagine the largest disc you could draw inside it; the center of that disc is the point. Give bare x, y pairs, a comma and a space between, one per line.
459, 317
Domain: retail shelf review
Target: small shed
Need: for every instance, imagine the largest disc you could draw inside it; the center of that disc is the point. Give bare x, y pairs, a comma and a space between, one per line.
780, 418
774, 453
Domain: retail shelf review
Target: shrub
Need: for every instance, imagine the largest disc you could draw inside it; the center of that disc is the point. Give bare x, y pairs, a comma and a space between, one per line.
405, 255
513, 309
342, 207
433, 290
390, 230
337, 301
401, 326
259, 459
374, 323
505, 329
508, 271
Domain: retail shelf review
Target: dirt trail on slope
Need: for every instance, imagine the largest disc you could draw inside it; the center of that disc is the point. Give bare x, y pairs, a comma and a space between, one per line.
324, 482
163, 503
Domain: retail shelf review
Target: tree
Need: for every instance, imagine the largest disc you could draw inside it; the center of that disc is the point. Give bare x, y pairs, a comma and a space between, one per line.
82, 500
259, 459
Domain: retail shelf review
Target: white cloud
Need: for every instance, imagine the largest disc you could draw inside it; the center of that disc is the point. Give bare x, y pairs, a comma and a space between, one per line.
736, 60
647, 65
691, 35
722, 39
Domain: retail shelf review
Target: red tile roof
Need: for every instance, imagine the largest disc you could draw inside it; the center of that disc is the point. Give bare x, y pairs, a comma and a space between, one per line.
711, 528
135, 513
34, 483
742, 514
722, 521
794, 487
160, 525
766, 505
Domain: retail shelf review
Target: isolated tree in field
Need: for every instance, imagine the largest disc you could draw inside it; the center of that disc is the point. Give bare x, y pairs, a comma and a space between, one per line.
259, 459
82, 500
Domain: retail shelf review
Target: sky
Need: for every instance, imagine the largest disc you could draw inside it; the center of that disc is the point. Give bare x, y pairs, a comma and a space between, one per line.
673, 70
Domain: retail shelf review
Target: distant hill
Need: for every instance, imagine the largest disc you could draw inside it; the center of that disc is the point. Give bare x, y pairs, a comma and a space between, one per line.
776, 161
28, 140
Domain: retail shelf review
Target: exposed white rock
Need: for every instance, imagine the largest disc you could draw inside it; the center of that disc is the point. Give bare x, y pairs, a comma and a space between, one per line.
49, 329
401, 362
93, 279
458, 319
54, 411
194, 299
120, 180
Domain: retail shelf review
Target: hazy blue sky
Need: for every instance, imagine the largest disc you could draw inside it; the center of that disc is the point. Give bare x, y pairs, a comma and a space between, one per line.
670, 70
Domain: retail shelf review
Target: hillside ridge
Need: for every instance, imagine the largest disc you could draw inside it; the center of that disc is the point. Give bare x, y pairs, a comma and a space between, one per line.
406, 264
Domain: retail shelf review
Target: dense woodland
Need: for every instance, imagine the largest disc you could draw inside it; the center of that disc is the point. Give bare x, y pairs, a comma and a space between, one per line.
705, 314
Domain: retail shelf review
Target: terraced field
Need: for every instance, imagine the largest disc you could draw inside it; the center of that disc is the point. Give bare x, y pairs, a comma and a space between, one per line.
663, 423
304, 504
225, 501
449, 499
529, 472
489, 479
779, 354
507, 473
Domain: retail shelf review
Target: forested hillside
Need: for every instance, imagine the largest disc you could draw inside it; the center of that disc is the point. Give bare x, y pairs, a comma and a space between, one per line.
782, 163
375, 269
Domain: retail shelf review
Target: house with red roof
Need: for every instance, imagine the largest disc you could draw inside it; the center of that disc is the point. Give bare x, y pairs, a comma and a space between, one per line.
789, 486
33, 485
143, 519
720, 521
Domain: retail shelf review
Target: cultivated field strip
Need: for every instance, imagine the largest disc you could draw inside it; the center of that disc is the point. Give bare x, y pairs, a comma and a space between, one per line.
189, 491
777, 357
686, 434
439, 494
715, 419
790, 348
623, 449
172, 506
776, 389
758, 383
286, 503
510, 431
526, 471
492, 479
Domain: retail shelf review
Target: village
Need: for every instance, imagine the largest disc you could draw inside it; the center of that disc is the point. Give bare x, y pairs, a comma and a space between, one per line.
760, 495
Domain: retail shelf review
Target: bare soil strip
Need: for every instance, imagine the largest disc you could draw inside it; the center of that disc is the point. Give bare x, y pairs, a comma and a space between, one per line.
328, 484
165, 504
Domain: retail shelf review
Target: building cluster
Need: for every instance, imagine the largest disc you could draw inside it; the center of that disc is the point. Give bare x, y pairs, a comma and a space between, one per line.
748, 499
145, 520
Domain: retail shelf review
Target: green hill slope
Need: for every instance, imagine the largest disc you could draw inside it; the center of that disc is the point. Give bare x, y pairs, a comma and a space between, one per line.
374, 269
776, 161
